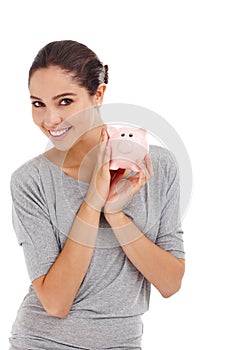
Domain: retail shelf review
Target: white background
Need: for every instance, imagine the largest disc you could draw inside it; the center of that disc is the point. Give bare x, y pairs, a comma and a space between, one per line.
174, 57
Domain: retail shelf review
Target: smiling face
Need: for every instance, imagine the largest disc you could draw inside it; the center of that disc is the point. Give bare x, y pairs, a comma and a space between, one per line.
62, 109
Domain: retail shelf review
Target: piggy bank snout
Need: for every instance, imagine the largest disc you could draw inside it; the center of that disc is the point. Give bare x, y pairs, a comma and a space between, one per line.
125, 147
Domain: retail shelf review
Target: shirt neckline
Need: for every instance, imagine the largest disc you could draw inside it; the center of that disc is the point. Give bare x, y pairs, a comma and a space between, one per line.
57, 168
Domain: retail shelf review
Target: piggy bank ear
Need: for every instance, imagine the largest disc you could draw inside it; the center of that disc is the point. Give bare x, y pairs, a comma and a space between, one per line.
141, 131
111, 130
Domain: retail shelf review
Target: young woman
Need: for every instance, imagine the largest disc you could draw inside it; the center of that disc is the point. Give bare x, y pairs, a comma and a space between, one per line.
94, 240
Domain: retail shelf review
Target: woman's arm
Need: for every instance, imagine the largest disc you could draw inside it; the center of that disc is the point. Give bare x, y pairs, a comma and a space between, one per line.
158, 266
58, 288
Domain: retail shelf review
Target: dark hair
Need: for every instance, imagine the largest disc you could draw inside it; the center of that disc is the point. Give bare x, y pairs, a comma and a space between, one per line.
75, 58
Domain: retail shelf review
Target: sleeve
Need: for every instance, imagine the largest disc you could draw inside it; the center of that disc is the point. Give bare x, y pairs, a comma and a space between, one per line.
170, 235
32, 225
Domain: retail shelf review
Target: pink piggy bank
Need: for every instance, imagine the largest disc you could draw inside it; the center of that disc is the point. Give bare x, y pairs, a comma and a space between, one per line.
127, 145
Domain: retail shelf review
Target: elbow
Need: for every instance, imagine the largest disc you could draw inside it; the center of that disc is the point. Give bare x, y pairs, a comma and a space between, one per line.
54, 305
170, 291
56, 311
172, 285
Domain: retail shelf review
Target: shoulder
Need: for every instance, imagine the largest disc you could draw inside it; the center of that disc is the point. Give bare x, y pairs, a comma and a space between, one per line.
162, 155
27, 174
164, 160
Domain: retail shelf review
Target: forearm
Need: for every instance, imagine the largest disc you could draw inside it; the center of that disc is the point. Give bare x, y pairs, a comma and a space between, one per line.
158, 266
61, 284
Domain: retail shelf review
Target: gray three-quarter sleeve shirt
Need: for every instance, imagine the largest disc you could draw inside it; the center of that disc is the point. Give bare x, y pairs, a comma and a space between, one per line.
106, 312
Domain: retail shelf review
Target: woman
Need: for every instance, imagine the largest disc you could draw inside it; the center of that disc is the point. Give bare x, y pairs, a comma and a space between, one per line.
94, 240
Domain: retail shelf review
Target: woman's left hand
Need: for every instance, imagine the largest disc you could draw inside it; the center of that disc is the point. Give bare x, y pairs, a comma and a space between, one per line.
123, 189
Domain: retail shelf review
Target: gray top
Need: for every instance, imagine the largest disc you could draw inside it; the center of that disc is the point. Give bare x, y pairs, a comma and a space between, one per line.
107, 309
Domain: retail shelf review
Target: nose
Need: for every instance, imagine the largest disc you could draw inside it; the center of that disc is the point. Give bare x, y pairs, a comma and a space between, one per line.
125, 146
52, 118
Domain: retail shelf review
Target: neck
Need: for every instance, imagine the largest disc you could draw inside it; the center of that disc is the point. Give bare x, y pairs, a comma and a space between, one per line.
83, 148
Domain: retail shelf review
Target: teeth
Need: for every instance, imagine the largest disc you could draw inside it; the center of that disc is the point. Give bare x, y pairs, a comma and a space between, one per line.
59, 132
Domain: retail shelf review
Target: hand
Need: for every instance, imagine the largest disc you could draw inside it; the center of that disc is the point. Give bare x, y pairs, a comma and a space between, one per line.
100, 182
123, 189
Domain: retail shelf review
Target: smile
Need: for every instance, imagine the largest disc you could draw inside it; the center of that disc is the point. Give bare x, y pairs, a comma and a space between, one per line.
57, 133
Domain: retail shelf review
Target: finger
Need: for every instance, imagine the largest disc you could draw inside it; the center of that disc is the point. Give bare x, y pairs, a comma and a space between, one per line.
107, 154
103, 149
149, 165
137, 181
142, 178
142, 168
145, 166
104, 134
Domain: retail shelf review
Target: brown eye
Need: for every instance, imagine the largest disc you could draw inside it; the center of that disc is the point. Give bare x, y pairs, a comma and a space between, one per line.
66, 101
37, 104
130, 135
123, 134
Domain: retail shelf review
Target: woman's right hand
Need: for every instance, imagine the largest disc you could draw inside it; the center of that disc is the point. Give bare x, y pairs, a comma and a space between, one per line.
100, 182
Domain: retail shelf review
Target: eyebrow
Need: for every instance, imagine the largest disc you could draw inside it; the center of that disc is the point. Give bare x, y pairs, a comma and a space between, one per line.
55, 97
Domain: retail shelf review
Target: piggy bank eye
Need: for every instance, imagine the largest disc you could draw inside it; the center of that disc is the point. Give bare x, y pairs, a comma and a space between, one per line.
130, 135
123, 134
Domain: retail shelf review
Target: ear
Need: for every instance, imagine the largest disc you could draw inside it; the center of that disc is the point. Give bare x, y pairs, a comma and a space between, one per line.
99, 95
141, 131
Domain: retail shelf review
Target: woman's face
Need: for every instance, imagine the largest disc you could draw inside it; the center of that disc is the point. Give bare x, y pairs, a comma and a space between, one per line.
62, 109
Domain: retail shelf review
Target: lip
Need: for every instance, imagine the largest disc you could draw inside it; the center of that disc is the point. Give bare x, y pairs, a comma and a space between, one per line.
59, 137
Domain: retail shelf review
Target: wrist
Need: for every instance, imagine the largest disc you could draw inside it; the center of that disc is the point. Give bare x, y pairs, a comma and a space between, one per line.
89, 214
124, 229
117, 219
85, 226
